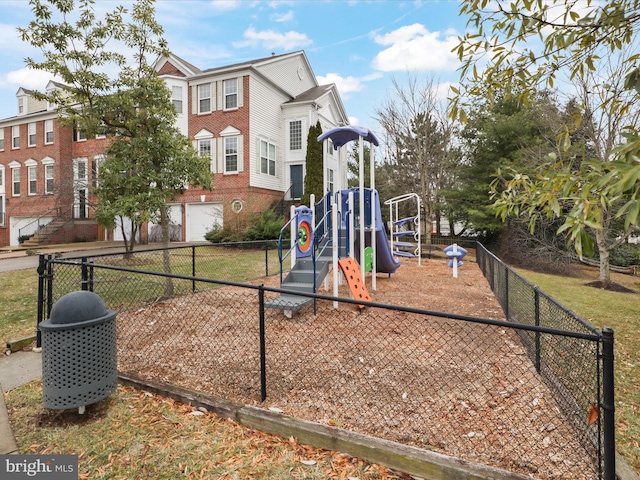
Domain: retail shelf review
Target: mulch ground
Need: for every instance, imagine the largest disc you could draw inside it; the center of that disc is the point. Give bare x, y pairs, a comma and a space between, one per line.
463, 389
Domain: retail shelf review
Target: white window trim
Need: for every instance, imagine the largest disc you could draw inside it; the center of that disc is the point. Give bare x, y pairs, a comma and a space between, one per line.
230, 132
2, 138
225, 94
2, 182
15, 166
31, 134
47, 131
210, 97
206, 135
291, 122
78, 138
32, 183
13, 136
48, 162
269, 160
177, 98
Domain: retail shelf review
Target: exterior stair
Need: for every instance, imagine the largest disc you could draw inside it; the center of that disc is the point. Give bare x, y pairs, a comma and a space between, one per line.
45, 232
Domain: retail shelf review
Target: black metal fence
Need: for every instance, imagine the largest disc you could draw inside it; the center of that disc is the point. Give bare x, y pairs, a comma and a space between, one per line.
531, 395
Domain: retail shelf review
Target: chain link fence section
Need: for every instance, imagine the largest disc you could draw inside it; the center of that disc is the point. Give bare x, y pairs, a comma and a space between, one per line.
569, 366
476, 389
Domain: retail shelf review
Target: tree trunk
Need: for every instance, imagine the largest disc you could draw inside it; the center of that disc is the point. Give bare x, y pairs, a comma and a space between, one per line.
603, 250
166, 253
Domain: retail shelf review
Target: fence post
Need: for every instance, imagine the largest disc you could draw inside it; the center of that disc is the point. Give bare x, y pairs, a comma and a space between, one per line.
49, 285
40, 313
506, 292
84, 284
266, 258
193, 267
91, 278
263, 355
608, 405
536, 310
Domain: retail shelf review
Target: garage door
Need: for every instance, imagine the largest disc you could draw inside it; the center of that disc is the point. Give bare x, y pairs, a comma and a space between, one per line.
175, 226
117, 231
201, 217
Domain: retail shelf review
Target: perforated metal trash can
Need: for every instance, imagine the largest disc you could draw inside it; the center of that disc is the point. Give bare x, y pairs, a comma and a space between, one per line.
79, 353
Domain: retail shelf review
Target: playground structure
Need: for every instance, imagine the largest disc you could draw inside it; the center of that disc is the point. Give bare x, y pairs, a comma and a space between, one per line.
455, 254
347, 224
401, 230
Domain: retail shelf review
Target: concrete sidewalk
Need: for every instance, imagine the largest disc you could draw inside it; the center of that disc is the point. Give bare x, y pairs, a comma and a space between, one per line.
16, 370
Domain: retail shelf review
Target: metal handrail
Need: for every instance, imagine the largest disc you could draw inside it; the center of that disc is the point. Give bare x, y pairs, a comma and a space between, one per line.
59, 212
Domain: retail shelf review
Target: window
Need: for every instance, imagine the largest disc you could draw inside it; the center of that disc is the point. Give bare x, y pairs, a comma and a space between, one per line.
267, 158
295, 135
80, 136
33, 179
330, 180
15, 181
231, 94
48, 179
329, 143
96, 163
176, 98
48, 132
204, 98
15, 136
204, 148
102, 131
1, 138
1, 178
21, 106
31, 137
231, 154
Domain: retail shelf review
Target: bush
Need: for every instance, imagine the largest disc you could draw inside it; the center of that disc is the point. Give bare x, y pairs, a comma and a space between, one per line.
220, 234
265, 226
625, 255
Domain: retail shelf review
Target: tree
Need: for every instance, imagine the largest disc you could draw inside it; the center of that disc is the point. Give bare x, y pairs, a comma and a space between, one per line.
531, 45
571, 180
503, 134
313, 180
418, 138
148, 161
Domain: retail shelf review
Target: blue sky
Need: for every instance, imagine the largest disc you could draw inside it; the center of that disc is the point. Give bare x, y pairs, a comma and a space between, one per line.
360, 45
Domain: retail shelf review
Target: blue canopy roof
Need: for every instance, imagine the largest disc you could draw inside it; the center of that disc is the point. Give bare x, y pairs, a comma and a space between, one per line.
342, 135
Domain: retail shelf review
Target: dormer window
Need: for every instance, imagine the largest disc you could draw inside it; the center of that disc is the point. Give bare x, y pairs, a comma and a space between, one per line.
21, 106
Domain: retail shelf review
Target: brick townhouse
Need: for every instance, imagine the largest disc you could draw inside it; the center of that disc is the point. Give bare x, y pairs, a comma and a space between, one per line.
251, 119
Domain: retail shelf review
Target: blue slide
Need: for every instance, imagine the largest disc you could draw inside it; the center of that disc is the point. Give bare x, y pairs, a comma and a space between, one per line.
385, 261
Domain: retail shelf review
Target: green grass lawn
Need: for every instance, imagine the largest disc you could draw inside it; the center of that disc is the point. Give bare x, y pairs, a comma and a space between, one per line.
621, 312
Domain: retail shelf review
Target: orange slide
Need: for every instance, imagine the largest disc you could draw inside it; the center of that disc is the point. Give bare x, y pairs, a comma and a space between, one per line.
349, 268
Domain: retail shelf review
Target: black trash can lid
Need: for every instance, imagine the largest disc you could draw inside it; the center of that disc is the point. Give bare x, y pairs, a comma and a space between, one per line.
77, 309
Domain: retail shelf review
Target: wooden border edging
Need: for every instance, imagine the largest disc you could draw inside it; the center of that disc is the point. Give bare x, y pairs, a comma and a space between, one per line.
404, 458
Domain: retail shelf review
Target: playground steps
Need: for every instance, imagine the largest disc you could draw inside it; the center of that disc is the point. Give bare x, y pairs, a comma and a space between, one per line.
398, 244
300, 279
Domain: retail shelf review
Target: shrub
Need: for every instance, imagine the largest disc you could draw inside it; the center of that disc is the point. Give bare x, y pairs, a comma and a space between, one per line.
220, 234
265, 226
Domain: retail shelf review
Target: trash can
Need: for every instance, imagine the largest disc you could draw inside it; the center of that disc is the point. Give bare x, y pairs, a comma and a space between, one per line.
79, 353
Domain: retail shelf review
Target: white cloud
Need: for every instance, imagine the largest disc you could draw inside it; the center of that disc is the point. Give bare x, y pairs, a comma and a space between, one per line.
26, 77
225, 5
271, 39
282, 17
414, 48
354, 121
345, 85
